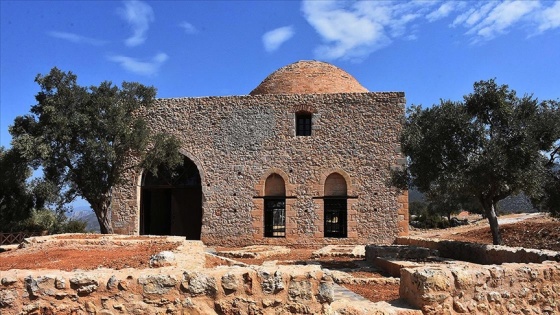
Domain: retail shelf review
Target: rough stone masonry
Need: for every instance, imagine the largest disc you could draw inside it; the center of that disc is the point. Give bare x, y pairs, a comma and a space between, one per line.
257, 180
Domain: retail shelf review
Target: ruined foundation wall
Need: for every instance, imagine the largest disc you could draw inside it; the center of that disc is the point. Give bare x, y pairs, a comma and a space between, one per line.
236, 142
475, 289
481, 253
220, 291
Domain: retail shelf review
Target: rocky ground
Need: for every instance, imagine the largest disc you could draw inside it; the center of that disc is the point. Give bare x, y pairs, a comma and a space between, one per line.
531, 231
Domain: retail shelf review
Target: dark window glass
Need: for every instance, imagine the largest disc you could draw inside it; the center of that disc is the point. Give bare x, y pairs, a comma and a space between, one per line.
275, 217
303, 124
335, 217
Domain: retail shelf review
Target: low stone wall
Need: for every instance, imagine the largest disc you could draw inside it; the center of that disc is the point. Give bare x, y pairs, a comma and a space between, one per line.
241, 290
480, 253
476, 289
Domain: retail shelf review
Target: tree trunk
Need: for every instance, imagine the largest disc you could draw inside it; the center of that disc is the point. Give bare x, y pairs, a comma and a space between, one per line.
105, 225
490, 211
101, 210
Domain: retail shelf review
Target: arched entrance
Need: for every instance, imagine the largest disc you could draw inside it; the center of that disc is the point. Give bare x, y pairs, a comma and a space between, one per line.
171, 203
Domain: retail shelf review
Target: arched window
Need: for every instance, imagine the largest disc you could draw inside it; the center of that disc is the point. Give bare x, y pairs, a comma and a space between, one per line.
303, 123
275, 206
336, 203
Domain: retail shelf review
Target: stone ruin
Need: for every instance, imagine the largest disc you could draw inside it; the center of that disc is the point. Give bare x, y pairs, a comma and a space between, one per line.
432, 281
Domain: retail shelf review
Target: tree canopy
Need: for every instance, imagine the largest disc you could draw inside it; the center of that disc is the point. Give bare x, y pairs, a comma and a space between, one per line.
16, 201
85, 138
487, 147
30, 204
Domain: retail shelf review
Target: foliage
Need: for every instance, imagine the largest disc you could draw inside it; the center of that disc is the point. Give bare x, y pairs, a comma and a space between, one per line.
437, 210
16, 199
425, 218
55, 222
85, 138
24, 204
485, 148
550, 200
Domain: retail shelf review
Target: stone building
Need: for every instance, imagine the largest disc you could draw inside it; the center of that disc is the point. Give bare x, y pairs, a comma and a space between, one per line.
304, 158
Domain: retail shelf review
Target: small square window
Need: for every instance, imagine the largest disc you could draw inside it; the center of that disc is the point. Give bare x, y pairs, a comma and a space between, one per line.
303, 124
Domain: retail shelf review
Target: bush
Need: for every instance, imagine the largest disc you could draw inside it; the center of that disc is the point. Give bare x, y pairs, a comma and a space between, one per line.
425, 217
75, 226
53, 222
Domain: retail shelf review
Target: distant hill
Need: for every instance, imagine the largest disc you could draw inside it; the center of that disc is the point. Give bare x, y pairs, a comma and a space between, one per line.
415, 195
86, 214
512, 204
516, 204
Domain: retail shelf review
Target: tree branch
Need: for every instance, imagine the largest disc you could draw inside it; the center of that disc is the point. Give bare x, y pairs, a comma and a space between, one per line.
553, 156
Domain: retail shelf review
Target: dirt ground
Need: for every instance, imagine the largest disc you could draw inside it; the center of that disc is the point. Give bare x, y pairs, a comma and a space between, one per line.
534, 231
83, 257
539, 232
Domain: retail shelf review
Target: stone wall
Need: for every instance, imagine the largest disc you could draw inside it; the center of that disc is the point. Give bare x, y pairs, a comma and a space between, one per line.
237, 141
480, 253
474, 289
286, 290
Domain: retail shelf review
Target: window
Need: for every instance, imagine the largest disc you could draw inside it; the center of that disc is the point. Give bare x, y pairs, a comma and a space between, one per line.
275, 217
275, 207
335, 217
335, 206
303, 124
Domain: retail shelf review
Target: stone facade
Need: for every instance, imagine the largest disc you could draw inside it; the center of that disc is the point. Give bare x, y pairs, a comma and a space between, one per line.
237, 142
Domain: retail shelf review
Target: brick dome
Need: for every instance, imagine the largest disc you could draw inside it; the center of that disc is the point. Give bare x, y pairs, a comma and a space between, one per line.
309, 77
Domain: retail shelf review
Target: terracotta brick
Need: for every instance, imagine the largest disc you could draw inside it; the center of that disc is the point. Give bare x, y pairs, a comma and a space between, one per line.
309, 77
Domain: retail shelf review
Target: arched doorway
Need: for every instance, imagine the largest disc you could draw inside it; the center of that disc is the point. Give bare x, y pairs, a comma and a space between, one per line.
171, 202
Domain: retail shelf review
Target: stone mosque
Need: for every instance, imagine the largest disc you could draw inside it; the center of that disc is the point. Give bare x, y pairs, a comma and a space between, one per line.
305, 158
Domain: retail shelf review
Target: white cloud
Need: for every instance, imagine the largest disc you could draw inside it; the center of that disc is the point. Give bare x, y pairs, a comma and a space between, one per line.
188, 28
348, 33
77, 39
550, 17
141, 67
502, 17
354, 29
272, 40
139, 15
474, 15
443, 11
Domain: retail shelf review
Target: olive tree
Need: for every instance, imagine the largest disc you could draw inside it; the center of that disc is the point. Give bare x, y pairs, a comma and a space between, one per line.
487, 147
16, 200
83, 138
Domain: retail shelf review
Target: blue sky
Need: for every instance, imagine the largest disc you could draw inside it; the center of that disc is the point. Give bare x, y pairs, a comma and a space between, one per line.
431, 50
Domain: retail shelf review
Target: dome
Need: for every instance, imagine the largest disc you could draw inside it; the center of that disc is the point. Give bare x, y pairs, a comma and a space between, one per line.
309, 77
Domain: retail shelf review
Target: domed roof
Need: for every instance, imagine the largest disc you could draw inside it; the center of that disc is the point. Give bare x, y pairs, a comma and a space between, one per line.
309, 77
